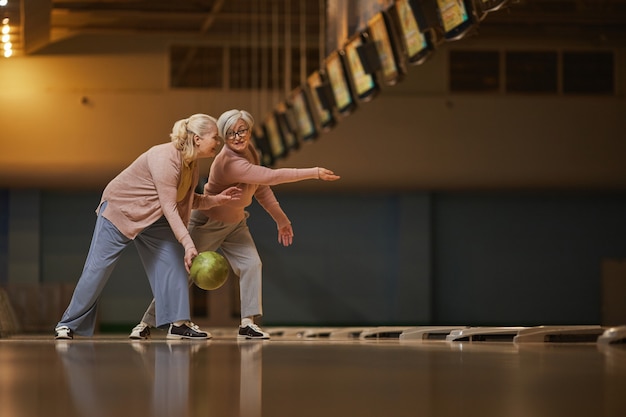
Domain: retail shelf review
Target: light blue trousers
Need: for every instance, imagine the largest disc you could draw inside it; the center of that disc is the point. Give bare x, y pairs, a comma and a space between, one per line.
238, 247
163, 260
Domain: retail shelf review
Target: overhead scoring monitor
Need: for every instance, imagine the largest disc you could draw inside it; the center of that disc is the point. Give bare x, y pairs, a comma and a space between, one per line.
274, 137
417, 40
338, 78
322, 102
456, 17
362, 64
382, 33
303, 118
287, 126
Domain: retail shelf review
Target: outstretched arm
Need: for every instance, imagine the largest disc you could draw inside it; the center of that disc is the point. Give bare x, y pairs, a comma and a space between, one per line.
243, 171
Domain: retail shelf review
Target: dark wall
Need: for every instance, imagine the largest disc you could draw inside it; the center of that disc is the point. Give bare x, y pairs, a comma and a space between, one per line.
356, 259
446, 258
504, 259
4, 235
411, 258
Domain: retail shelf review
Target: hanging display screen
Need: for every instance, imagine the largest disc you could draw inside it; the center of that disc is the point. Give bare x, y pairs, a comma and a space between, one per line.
337, 77
320, 100
305, 124
361, 72
456, 18
274, 137
381, 33
416, 44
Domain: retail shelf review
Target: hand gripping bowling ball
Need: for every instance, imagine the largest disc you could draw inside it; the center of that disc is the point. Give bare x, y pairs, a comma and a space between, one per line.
209, 270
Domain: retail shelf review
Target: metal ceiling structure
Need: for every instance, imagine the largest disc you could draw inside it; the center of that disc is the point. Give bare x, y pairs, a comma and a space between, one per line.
217, 21
42, 22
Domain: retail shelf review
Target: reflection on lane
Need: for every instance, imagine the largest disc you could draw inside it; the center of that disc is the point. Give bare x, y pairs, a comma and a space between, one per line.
162, 378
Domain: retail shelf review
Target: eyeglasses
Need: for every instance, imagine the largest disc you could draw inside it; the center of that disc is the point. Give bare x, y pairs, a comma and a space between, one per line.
241, 133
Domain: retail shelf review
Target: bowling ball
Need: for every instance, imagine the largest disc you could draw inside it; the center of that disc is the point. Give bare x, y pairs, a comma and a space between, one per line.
209, 270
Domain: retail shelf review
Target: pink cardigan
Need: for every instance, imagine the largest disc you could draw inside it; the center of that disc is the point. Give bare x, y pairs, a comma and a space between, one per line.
146, 190
243, 170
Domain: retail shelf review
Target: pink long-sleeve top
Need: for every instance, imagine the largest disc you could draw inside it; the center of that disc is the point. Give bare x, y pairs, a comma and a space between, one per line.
147, 189
231, 168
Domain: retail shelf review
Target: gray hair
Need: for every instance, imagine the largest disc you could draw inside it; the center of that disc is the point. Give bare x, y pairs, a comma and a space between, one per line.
228, 119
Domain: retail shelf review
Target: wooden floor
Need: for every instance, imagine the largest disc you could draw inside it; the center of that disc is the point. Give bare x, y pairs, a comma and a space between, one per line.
296, 374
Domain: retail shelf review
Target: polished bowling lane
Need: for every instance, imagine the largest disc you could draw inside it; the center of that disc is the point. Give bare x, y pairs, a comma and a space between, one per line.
294, 375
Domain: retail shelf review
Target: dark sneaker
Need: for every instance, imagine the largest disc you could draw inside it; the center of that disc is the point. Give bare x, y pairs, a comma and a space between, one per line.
140, 332
252, 331
187, 330
63, 333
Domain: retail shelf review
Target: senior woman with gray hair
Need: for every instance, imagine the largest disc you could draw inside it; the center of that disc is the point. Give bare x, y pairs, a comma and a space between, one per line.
225, 227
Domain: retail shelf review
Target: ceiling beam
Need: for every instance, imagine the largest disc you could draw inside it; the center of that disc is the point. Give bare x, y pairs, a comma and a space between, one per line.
35, 24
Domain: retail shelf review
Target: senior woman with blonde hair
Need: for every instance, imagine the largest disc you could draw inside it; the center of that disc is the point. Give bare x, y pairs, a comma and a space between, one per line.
224, 227
149, 204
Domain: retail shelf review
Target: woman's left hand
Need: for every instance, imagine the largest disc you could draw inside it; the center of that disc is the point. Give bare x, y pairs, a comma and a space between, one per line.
285, 235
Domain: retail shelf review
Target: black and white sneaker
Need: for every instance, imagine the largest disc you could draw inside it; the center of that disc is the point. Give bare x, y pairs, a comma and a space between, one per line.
140, 332
252, 331
63, 333
187, 330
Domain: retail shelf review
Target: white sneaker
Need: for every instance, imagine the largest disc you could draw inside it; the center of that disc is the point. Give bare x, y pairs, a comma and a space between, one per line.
63, 332
140, 332
252, 331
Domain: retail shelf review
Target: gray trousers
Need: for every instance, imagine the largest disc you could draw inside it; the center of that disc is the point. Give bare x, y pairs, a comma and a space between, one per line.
238, 247
162, 257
